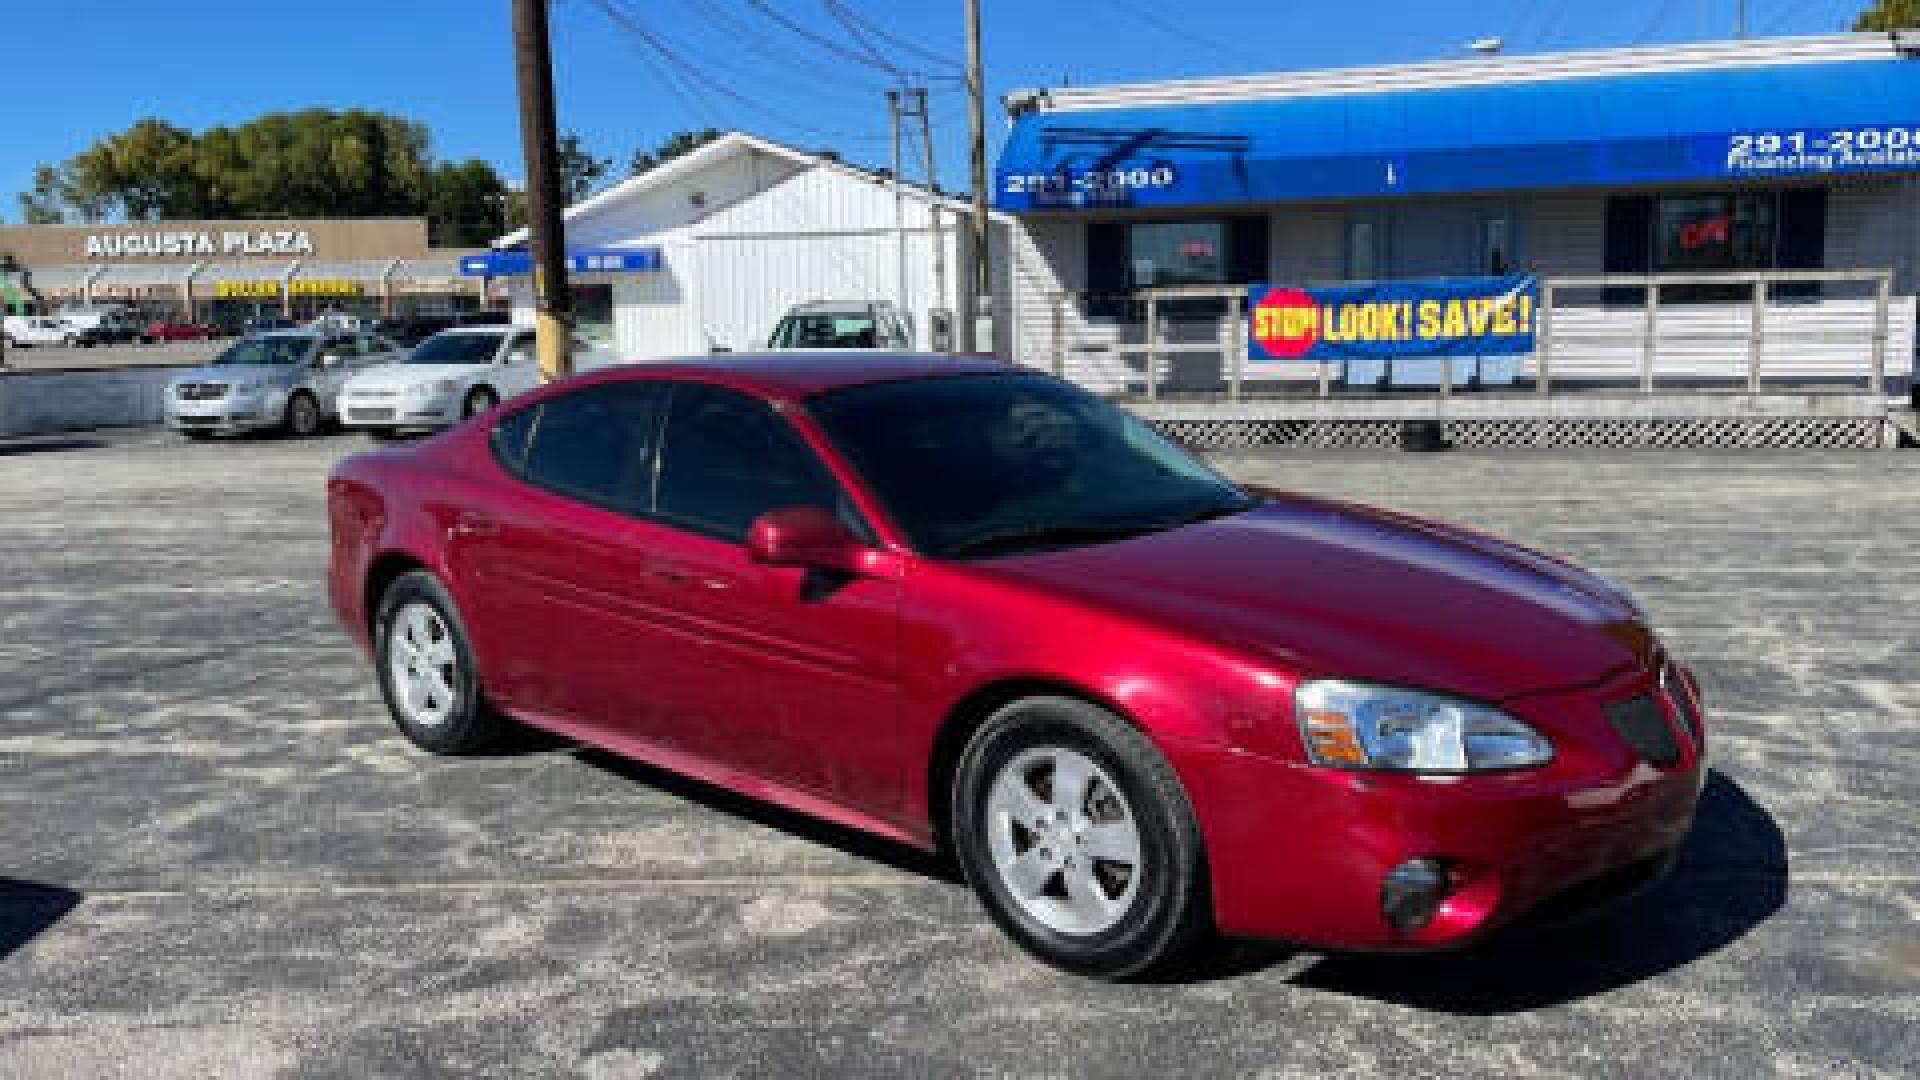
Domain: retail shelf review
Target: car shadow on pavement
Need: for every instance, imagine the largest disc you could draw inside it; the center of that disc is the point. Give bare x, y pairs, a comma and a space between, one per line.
853, 842
27, 910
1731, 876
12, 447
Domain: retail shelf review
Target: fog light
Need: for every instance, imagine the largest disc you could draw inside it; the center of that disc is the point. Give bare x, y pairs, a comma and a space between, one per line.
1411, 893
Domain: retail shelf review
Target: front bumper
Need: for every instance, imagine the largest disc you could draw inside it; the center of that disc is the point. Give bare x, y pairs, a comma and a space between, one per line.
396, 412
1299, 853
233, 413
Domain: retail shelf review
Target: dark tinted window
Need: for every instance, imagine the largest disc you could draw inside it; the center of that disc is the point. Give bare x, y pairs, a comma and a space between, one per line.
595, 444
729, 459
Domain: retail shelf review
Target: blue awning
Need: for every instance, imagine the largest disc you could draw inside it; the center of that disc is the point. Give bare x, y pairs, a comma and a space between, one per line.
1796, 120
579, 261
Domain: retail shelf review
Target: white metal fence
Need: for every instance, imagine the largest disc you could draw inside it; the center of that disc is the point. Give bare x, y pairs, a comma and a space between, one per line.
1798, 330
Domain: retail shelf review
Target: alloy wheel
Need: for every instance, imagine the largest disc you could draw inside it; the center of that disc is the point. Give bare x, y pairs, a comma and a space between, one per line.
1064, 840
424, 664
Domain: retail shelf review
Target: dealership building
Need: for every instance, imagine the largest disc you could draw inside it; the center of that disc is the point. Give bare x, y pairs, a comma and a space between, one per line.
222, 271
1744, 210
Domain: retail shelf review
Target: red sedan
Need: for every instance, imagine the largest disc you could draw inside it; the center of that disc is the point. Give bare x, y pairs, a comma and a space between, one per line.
162, 330
975, 609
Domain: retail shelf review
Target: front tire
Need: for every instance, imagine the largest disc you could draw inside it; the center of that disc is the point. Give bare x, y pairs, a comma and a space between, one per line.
478, 401
1078, 838
302, 419
427, 672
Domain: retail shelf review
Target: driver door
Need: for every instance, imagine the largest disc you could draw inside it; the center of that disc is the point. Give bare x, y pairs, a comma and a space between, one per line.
799, 669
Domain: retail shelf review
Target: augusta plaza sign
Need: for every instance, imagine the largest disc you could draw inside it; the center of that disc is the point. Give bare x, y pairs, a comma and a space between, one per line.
1437, 317
120, 245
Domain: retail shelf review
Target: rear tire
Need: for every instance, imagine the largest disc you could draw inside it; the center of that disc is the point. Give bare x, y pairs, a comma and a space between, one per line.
427, 671
1077, 836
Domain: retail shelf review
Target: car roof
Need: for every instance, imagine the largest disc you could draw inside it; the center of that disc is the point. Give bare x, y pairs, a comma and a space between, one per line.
800, 375
491, 329
295, 332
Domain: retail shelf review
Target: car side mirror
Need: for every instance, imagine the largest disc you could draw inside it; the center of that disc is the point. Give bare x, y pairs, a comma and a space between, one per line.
519, 356
331, 360
812, 538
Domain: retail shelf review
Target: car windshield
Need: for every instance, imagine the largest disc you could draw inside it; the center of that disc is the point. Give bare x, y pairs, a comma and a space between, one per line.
456, 349
979, 465
265, 352
845, 330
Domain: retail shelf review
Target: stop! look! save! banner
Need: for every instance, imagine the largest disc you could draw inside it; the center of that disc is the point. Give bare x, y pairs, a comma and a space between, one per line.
1487, 316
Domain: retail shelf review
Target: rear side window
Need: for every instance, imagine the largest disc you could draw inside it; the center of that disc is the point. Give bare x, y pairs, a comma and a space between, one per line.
728, 458
595, 444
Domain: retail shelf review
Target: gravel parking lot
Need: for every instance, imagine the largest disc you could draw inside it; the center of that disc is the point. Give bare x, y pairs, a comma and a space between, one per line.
217, 857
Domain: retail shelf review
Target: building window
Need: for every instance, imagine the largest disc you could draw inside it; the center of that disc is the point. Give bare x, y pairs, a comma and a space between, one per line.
1176, 253
1366, 247
1715, 232
593, 314
1496, 244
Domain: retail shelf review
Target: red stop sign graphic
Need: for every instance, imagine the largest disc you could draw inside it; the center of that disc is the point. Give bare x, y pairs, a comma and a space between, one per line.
1286, 322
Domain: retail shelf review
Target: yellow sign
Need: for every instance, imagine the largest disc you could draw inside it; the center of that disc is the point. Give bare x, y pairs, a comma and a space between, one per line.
269, 289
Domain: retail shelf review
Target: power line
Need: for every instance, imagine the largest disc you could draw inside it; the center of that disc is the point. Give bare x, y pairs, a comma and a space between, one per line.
832, 46
626, 21
737, 31
1165, 26
852, 27
898, 42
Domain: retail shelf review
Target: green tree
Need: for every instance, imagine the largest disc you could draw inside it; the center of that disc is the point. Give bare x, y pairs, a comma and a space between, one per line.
676, 144
46, 203
580, 171
1889, 15
467, 203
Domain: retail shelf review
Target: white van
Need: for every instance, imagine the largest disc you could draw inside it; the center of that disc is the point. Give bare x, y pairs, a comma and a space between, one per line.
23, 331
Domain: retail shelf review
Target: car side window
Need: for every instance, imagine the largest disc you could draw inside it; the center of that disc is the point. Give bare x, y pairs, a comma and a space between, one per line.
726, 458
595, 444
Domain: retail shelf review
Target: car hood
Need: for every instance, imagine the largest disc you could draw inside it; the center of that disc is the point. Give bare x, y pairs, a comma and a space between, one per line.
1333, 589
401, 376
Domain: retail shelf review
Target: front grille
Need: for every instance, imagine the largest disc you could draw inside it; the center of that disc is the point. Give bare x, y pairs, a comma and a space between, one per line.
1643, 724
376, 395
368, 416
197, 421
1675, 688
202, 391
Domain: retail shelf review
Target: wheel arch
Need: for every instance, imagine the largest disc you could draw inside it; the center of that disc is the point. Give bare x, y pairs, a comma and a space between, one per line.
386, 568
973, 710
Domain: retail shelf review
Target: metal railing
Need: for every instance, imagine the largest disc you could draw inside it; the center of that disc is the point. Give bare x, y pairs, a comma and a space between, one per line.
1575, 344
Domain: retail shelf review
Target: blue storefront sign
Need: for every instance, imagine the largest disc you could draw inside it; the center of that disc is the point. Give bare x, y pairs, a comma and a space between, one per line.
1803, 120
579, 261
1482, 316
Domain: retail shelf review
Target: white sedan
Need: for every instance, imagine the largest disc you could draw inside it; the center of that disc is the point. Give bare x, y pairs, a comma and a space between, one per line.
448, 377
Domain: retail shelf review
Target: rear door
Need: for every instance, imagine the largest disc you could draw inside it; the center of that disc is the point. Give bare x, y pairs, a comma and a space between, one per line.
558, 563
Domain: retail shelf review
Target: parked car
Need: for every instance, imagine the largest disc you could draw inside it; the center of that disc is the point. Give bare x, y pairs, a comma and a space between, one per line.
284, 379
411, 330
166, 330
446, 378
838, 326
267, 324
112, 324
972, 607
25, 331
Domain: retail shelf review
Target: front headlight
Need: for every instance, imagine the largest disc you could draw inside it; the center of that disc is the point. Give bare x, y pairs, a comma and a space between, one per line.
1353, 725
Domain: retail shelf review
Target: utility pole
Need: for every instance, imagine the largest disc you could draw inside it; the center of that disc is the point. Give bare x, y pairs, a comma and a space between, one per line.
978, 284
552, 301
938, 230
902, 308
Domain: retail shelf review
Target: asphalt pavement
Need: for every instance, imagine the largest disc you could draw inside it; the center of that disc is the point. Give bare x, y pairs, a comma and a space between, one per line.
218, 859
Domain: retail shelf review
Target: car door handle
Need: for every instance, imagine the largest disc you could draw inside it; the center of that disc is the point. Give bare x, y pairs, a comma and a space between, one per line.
684, 578
472, 524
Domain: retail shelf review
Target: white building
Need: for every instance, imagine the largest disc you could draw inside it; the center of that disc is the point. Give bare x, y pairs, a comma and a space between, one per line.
720, 242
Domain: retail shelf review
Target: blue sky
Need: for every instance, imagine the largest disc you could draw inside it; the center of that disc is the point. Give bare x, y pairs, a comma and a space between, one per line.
79, 70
